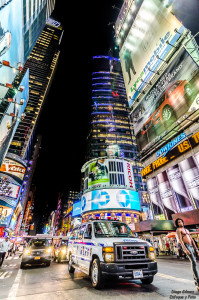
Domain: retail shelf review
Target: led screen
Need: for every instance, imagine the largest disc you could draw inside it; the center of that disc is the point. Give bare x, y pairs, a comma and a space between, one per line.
76, 208
150, 39
104, 173
12, 174
110, 199
13, 168
5, 215
174, 94
176, 189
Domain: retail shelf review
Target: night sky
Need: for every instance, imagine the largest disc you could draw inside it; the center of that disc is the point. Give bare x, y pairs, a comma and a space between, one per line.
64, 120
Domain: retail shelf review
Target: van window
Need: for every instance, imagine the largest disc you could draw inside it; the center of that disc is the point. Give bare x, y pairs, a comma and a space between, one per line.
74, 233
88, 231
81, 232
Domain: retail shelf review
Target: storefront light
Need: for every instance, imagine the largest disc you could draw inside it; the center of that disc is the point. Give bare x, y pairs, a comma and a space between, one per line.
129, 46
125, 25
142, 25
133, 8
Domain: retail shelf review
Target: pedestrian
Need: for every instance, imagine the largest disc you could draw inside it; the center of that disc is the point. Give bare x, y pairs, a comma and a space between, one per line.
156, 247
4, 248
188, 247
167, 248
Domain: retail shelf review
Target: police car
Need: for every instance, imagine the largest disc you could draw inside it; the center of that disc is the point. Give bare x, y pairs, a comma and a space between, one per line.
108, 248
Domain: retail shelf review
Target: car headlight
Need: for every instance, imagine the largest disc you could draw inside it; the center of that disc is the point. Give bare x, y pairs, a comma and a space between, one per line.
109, 257
63, 251
151, 253
48, 251
27, 252
108, 254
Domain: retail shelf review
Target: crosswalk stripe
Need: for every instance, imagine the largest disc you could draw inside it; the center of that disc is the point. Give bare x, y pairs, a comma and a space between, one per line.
5, 274
173, 278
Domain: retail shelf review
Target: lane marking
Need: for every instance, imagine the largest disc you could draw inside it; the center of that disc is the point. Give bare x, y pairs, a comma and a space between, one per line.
14, 288
173, 278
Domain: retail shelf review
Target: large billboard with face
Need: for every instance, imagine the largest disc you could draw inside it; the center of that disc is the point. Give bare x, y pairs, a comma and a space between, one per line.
154, 32
174, 94
110, 199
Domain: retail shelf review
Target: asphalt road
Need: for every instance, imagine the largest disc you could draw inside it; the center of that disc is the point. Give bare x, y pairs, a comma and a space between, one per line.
173, 281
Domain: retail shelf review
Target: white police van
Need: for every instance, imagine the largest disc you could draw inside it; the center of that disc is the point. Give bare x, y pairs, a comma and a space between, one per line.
107, 248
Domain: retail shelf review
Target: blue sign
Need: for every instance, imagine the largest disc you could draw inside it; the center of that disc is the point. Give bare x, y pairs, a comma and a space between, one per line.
76, 209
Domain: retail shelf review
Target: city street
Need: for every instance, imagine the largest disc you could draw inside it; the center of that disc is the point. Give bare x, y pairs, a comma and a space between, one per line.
173, 281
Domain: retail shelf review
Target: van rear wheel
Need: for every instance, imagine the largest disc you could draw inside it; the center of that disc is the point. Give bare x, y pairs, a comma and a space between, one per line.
71, 269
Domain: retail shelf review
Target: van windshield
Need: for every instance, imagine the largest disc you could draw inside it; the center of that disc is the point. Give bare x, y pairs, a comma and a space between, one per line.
111, 229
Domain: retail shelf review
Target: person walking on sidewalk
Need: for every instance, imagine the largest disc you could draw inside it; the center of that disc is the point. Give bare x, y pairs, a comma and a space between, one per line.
4, 247
188, 247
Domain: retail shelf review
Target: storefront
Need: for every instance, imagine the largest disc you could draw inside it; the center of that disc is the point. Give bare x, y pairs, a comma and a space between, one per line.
152, 230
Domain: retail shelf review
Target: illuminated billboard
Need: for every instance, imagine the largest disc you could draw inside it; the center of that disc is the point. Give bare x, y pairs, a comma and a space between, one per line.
12, 174
176, 189
107, 172
152, 36
5, 215
110, 199
174, 94
76, 208
15, 216
14, 168
11, 54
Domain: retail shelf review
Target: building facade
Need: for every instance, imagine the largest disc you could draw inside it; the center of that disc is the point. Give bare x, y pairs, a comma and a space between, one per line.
159, 59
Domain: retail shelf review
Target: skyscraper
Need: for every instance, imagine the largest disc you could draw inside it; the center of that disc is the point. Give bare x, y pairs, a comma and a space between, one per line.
41, 63
111, 129
112, 183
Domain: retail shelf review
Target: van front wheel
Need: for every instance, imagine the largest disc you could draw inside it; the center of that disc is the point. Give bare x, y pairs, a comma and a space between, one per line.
96, 275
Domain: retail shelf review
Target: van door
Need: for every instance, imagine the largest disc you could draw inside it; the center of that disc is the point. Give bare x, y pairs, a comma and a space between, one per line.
87, 242
73, 244
81, 247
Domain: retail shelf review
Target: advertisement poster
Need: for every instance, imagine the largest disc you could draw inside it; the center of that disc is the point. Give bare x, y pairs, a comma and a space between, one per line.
5, 215
154, 194
76, 208
12, 173
13, 168
150, 39
175, 93
98, 172
15, 216
175, 190
110, 199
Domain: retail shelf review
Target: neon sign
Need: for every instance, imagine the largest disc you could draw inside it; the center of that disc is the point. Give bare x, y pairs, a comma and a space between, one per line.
164, 150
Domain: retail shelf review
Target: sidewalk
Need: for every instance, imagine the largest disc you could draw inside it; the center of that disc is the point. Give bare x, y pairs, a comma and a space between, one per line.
172, 257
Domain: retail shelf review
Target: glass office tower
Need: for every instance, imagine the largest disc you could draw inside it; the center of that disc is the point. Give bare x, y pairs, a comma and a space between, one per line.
41, 63
111, 129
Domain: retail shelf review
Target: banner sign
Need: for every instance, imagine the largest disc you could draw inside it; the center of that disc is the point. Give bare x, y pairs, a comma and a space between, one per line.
183, 147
